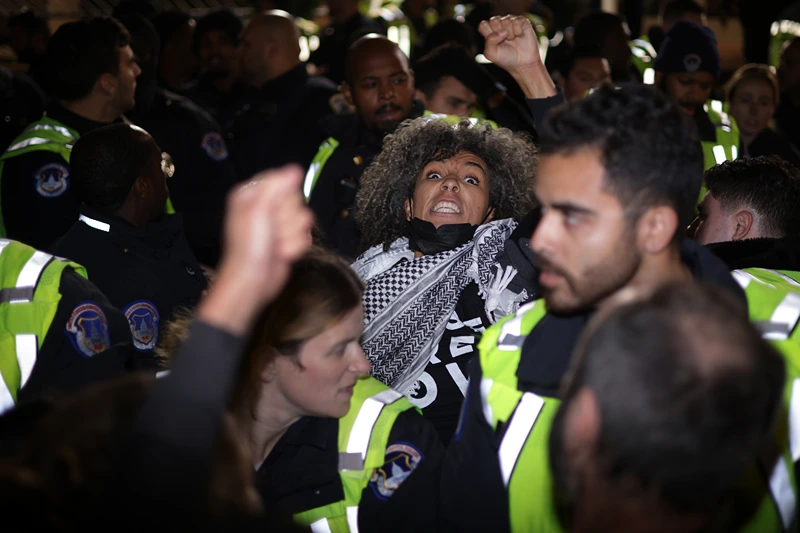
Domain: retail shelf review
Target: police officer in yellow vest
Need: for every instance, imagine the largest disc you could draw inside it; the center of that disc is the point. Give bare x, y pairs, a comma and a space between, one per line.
333, 447
617, 180
57, 329
93, 78
687, 68
749, 219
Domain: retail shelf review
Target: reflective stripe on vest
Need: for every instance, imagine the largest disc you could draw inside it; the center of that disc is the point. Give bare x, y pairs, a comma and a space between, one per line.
358, 443
33, 141
784, 317
26, 343
794, 421
96, 224
519, 427
780, 484
324, 153
322, 525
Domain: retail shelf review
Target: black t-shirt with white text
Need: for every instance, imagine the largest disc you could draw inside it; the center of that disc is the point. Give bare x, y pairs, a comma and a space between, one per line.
440, 390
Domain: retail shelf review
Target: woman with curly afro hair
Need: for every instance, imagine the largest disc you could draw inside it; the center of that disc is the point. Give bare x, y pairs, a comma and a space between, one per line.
437, 209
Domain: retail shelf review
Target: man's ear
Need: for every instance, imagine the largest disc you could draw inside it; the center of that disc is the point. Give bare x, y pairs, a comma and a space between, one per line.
141, 187
269, 371
743, 221
409, 209
656, 228
411, 79
107, 83
348, 95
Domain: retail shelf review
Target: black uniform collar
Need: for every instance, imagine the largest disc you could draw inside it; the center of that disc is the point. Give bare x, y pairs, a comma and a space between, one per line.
320, 433
547, 351
776, 254
281, 87
165, 228
72, 120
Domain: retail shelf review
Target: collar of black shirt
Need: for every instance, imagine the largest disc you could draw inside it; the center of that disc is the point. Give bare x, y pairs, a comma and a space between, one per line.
159, 234
74, 121
286, 84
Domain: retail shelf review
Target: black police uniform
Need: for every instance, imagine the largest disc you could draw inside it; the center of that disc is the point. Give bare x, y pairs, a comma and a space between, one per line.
64, 364
204, 172
221, 106
21, 102
301, 473
280, 124
335, 41
334, 194
148, 274
31, 217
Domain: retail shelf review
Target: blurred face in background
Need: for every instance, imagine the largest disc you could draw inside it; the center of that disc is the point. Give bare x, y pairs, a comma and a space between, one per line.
752, 104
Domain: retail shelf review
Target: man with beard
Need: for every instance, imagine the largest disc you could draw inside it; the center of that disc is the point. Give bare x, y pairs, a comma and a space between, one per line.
627, 449
202, 172
380, 84
93, 73
618, 177
687, 68
218, 90
280, 122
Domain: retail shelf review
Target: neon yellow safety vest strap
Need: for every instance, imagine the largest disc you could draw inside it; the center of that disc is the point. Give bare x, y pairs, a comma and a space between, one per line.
776, 312
523, 451
29, 297
643, 55
726, 145
528, 418
363, 438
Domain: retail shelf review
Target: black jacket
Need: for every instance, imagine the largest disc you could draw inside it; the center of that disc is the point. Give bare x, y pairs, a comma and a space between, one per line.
148, 275
280, 124
21, 102
475, 498
204, 170
334, 194
774, 254
770, 142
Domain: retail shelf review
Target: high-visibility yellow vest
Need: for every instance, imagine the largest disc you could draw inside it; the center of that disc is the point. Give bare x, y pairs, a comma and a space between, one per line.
363, 438
29, 297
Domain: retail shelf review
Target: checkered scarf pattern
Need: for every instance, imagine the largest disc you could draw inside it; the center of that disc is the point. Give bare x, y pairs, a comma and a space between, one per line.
407, 307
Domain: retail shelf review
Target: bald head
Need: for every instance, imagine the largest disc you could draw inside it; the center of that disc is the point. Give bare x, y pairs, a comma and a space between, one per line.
378, 83
269, 46
367, 48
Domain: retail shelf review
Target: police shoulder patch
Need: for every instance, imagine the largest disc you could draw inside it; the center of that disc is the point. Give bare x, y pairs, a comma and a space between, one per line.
143, 319
401, 460
51, 180
87, 329
214, 146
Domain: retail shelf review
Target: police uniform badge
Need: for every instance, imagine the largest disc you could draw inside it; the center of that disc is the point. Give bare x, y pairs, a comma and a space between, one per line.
692, 62
87, 329
51, 180
214, 146
401, 460
143, 319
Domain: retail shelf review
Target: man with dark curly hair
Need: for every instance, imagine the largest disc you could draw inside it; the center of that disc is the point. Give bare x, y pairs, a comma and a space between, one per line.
437, 208
617, 181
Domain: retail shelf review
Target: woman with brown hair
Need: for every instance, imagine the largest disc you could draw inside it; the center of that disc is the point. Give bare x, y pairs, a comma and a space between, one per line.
332, 446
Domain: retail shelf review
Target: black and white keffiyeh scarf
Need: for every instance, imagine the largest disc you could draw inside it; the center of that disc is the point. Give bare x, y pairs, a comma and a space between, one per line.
408, 301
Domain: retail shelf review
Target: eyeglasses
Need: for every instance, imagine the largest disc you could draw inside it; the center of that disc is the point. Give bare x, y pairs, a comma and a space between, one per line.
167, 165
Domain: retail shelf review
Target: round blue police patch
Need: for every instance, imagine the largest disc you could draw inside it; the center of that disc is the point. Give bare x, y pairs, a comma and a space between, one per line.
401, 460
87, 329
143, 319
51, 180
214, 146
